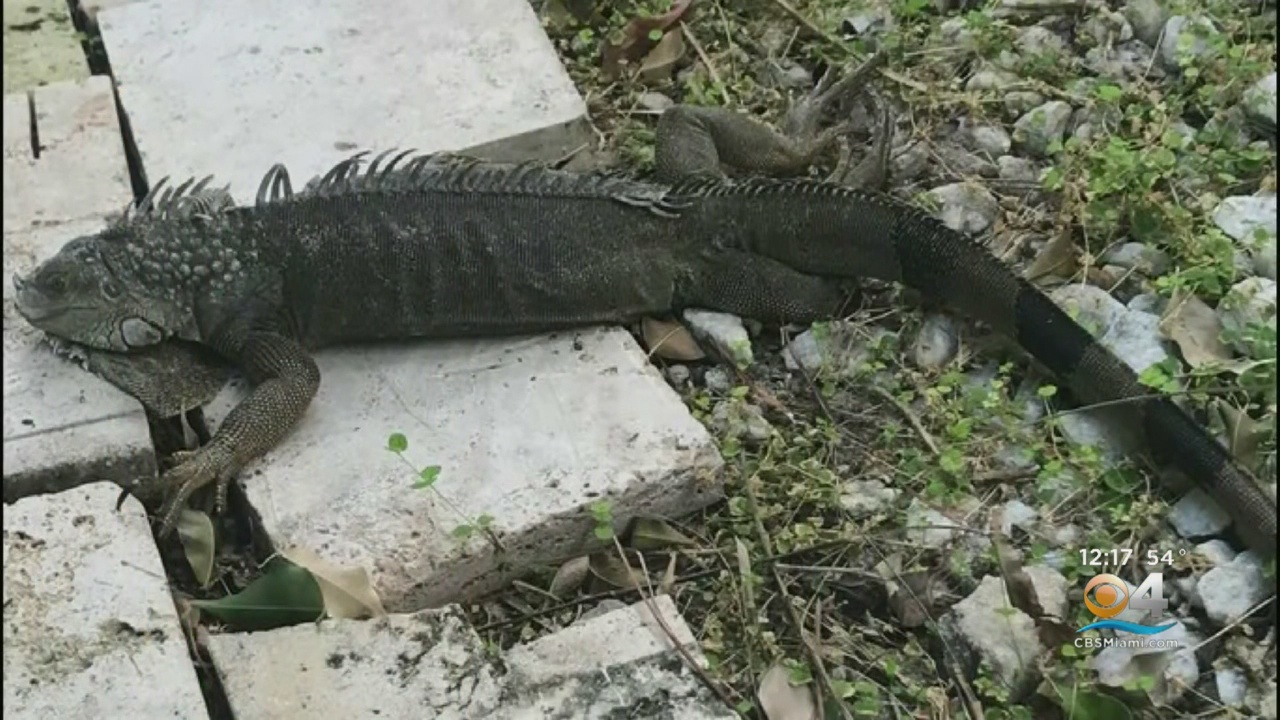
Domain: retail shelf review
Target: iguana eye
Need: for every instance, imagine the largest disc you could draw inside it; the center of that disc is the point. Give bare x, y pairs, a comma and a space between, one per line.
56, 283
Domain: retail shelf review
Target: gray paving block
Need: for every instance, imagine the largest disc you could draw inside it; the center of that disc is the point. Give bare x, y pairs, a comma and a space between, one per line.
425, 665
432, 664
609, 666
40, 45
529, 431
90, 629
80, 171
62, 426
230, 92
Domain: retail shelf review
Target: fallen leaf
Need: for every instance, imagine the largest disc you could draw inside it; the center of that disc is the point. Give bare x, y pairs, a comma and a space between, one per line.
347, 591
611, 570
1195, 328
570, 576
1083, 704
649, 533
195, 531
670, 340
637, 38
286, 594
668, 581
1245, 435
661, 60
1059, 258
780, 700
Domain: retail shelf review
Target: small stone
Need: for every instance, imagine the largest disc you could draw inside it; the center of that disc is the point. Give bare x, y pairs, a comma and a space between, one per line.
1197, 515
965, 207
863, 498
1018, 169
724, 332
989, 139
1216, 551
1232, 685
1146, 259
1260, 102
718, 380
936, 343
1147, 18
1250, 302
929, 527
1229, 591
1018, 514
1185, 39
678, 376
1042, 126
655, 101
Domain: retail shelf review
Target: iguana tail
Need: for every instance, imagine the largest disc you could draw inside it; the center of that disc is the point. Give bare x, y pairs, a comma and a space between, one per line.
831, 230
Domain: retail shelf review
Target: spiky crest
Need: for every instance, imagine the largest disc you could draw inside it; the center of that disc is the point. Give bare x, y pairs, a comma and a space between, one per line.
448, 172
188, 199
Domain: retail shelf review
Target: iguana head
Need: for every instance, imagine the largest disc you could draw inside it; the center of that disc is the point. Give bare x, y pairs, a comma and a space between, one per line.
87, 294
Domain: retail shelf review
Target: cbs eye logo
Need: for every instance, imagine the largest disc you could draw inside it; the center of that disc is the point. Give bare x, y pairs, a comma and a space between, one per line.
1110, 596
1106, 596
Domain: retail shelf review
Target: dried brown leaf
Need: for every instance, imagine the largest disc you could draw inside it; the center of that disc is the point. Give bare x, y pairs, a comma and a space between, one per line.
636, 41
347, 591
1195, 328
1059, 258
661, 61
780, 700
670, 340
570, 576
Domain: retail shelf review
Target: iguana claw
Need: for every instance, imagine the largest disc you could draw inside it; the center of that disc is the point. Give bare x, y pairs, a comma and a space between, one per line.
190, 471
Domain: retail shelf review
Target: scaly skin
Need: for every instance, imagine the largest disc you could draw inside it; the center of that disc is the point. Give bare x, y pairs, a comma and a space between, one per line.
448, 247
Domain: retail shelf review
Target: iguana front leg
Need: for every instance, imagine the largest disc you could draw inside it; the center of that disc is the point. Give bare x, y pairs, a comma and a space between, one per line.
285, 379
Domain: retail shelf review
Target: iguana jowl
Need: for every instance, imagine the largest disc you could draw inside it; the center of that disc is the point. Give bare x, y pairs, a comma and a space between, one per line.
438, 246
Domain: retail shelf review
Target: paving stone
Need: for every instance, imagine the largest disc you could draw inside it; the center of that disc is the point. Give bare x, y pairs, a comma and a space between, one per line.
619, 663
90, 629
40, 45
231, 92
80, 171
428, 664
432, 664
62, 426
529, 431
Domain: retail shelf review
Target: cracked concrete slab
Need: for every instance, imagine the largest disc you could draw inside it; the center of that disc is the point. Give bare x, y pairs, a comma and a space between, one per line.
62, 426
528, 431
90, 630
230, 92
432, 663
40, 45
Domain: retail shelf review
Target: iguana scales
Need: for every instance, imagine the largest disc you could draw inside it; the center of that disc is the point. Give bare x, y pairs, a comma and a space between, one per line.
439, 246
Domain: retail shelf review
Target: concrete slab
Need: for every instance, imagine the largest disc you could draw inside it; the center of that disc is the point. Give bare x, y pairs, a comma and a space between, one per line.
431, 664
529, 431
40, 45
80, 171
426, 665
257, 82
622, 663
90, 629
62, 426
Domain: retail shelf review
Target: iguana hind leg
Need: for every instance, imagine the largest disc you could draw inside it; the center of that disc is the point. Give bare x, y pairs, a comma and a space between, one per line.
757, 287
700, 141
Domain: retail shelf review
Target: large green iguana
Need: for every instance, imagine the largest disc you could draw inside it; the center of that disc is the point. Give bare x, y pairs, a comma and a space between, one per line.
439, 246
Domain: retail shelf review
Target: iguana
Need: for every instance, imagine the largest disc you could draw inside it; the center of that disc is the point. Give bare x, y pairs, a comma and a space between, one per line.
440, 246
